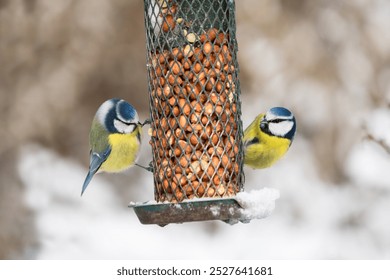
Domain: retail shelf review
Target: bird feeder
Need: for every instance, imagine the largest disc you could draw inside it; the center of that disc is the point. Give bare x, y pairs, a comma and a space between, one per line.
195, 107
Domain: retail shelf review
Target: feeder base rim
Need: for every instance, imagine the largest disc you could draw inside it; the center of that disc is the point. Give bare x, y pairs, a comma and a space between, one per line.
194, 210
133, 204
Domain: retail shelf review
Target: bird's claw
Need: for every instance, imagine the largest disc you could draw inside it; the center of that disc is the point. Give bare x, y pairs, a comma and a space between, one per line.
149, 168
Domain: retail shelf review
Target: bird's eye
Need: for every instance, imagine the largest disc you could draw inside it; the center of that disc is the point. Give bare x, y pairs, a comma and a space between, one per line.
276, 121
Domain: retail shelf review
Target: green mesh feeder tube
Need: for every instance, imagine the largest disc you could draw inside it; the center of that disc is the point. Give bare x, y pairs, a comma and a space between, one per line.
195, 110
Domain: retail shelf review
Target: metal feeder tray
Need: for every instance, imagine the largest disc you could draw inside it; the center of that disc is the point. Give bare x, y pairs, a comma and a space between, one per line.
224, 209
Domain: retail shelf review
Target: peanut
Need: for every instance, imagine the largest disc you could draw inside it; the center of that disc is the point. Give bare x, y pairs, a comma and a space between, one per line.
169, 23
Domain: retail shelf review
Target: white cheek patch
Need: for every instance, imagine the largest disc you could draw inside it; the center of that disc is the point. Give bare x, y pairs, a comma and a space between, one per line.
123, 128
103, 110
280, 129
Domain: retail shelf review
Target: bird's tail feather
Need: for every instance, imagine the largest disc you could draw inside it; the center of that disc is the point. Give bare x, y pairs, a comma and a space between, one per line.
95, 163
87, 180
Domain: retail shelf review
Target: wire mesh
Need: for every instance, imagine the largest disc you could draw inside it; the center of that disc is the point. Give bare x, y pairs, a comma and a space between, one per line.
194, 99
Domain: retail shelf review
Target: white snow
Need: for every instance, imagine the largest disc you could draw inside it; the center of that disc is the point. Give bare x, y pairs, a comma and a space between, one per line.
257, 204
215, 210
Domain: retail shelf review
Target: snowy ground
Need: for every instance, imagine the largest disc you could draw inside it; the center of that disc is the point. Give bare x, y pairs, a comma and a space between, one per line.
312, 219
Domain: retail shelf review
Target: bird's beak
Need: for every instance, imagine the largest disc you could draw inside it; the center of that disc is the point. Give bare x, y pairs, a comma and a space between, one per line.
148, 121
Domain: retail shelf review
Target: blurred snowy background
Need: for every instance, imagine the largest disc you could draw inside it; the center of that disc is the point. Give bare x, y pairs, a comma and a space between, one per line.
326, 60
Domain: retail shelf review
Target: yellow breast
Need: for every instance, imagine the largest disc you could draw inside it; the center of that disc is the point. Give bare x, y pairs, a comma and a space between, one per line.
266, 152
124, 152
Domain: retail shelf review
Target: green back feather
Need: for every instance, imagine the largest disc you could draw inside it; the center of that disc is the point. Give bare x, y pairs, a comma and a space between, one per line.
98, 137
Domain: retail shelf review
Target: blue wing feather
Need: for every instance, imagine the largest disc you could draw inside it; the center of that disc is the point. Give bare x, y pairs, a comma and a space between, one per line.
96, 160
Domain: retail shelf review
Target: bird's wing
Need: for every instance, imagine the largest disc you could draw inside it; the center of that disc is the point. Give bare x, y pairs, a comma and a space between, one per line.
251, 141
251, 133
96, 160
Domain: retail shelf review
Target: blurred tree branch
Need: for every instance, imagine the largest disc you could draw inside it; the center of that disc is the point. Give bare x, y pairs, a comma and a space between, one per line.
380, 142
369, 136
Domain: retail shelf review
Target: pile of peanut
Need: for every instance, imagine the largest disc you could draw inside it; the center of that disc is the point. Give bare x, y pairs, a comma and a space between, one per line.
194, 115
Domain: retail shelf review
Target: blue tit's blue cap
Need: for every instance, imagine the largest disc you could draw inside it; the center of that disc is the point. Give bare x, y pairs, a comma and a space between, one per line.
125, 111
280, 111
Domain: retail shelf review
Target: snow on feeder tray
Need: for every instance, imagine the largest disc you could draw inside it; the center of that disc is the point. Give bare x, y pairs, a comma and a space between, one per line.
196, 128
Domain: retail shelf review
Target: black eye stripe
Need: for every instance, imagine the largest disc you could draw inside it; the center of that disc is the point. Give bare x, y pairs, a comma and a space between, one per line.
126, 123
276, 120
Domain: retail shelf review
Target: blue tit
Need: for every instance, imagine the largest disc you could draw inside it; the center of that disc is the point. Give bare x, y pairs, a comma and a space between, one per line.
114, 139
268, 137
